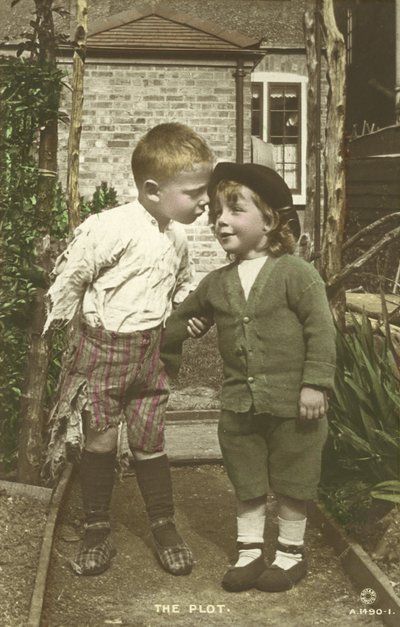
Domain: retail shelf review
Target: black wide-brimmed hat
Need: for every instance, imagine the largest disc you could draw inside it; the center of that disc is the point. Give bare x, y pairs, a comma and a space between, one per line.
267, 183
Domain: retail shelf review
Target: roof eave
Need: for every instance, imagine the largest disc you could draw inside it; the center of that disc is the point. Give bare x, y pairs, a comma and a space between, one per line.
184, 52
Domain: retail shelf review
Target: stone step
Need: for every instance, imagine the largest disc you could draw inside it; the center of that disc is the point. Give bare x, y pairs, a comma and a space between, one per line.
192, 441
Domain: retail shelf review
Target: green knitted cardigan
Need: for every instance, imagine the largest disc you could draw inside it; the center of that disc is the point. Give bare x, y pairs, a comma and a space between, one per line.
279, 339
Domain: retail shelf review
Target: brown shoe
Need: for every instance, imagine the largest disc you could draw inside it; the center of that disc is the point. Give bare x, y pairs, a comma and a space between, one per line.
172, 551
96, 552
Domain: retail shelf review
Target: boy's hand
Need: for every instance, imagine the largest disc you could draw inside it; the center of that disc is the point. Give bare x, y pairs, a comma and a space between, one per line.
313, 403
197, 327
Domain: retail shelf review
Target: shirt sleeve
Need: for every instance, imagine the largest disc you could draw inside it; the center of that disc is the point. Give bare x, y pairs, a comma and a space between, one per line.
185, 281
185, 276
311, 305
91, 249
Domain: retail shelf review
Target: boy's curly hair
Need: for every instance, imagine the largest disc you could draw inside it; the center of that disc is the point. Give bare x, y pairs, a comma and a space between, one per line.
280, 238
166, 150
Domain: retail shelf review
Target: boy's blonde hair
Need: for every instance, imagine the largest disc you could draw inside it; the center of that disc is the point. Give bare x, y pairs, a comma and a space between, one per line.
280, 238
166, 150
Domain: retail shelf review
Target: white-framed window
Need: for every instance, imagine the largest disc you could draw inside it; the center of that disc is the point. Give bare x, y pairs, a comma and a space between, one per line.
279, 117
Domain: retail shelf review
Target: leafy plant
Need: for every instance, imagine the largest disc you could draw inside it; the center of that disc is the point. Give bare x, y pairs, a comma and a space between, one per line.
349, 501
25, 107
387, 491
104, 197
365, 410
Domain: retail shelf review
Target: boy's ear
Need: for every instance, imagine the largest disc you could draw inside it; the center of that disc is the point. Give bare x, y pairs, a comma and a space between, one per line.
151, 189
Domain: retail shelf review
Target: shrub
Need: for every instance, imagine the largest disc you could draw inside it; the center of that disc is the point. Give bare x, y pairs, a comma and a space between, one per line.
29, 97
364, 416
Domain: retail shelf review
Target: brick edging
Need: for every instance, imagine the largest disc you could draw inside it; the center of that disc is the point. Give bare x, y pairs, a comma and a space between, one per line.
36, 606
362, 570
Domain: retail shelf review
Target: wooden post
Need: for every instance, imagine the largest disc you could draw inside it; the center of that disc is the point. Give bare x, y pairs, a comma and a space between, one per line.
34, 392
35, 381
331, 256
76, 114
311, 227
397, 49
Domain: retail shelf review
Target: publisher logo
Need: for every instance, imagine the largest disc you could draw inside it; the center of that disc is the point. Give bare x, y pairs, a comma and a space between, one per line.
368, 596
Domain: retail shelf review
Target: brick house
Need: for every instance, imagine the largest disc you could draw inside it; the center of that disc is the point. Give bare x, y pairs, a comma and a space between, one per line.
233, 70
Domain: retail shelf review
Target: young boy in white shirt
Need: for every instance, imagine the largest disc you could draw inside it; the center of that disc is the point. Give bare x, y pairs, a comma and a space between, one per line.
121, 273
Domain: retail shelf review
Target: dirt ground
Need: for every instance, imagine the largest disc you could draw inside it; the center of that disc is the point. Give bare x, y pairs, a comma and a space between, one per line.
22, 522
136, 592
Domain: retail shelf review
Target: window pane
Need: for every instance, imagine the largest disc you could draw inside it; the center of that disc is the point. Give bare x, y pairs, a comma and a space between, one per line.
290, 175
278, 154
277, 123
291, 153
276, 99
291, 124
284, 130
256, 109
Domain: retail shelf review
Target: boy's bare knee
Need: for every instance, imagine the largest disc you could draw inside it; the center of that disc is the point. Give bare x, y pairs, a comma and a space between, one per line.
101, 441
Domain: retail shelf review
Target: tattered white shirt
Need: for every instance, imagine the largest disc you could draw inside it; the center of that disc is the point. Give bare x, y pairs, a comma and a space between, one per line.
123, 270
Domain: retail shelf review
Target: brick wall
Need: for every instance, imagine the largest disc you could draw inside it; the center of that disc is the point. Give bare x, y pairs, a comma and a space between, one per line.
122, 101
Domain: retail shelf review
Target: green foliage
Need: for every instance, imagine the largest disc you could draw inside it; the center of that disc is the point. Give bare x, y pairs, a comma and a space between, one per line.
348, 502
387, 491
29, 99
365, 415
103, 197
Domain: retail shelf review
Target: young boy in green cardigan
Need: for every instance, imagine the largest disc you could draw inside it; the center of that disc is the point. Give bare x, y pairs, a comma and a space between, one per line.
277, 340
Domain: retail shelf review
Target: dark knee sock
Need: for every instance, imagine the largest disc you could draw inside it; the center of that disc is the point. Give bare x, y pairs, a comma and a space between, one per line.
97, 473
154, 479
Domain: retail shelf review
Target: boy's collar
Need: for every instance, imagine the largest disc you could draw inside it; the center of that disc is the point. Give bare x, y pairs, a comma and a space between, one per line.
152, 219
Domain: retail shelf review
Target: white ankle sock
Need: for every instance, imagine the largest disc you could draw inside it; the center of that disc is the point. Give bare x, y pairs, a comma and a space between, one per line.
250, 526
291, 533
246, 556
286, 560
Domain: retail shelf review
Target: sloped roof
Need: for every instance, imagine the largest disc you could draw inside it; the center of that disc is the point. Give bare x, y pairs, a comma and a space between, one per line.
147, 29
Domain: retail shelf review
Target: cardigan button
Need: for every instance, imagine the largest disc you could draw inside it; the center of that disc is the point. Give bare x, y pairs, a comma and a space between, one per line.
246, 319
250, 379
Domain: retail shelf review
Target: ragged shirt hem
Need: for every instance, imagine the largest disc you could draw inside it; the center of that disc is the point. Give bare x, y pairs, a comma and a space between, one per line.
67, 438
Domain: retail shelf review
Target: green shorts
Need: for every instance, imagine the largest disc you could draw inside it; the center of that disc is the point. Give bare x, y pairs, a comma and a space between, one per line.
264, 453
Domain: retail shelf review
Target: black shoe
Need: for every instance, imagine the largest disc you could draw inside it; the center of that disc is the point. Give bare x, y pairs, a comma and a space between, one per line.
239, 578
276, 579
